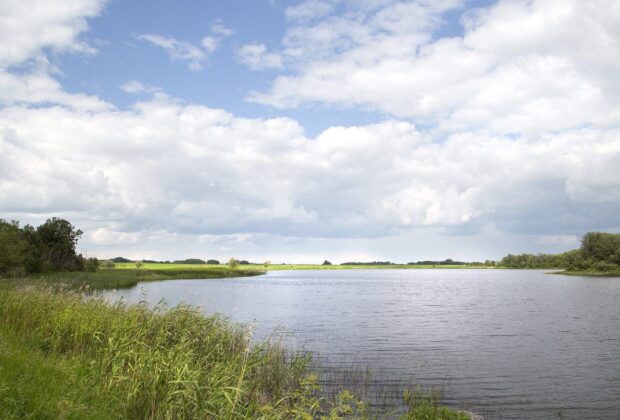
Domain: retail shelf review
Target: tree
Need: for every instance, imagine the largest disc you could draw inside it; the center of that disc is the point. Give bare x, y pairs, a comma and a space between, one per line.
57, 239
233, 263
214, 262
599, 246
14, 250
139, 264
326, 263
267, 263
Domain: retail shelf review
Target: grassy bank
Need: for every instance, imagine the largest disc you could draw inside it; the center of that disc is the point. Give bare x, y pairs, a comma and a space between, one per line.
588, 273
117, 279
65, 356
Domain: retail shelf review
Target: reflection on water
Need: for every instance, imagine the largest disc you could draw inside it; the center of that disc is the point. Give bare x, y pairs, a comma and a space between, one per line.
511, 344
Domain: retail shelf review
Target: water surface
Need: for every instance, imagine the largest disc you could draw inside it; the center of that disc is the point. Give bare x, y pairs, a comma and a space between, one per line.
510, 344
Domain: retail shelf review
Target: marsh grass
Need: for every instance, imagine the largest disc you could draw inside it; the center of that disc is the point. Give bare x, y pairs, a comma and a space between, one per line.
587, 273
131, 361
156, 363
125, 278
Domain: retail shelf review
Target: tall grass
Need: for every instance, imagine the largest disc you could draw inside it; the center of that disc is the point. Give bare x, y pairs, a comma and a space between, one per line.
160, 363
118, 279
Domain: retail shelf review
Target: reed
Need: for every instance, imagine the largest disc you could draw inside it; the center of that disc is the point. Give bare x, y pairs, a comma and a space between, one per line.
132, 361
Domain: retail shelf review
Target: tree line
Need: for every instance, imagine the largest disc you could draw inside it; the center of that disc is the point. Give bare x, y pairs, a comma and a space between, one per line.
49, 247
599, 252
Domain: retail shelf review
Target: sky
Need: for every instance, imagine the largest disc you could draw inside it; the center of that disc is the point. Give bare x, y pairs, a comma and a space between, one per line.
298, 131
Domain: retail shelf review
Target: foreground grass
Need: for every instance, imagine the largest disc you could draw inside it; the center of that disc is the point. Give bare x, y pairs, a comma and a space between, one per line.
66, 356
117, 279
35, 385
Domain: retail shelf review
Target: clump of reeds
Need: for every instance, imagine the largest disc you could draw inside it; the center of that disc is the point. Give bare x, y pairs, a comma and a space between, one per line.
176, 363
157, 363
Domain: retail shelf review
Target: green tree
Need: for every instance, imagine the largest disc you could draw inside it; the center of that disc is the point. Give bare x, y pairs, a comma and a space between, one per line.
233, 263
599, 246
57, 239
14, 250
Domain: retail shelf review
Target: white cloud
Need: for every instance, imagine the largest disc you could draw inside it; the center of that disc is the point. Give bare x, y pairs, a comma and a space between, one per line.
526, 139
27, 31
171, 167
520, 66
28, 27
309, 9
182, 50
257, 57
133, 86
40, 88
219, 29
209, 43
195, 55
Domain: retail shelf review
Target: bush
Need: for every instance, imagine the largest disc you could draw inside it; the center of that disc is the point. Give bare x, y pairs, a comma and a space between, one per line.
91, 264
605, 267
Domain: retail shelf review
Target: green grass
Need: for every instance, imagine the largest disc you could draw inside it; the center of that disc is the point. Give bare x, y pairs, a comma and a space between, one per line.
63, 355
124, 278
150, 363
588, 273
34, 385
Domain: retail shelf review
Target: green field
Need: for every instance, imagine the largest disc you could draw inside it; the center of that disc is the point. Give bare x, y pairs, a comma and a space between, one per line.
271, 267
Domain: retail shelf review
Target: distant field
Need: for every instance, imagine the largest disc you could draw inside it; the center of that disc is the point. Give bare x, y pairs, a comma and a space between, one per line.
253, 267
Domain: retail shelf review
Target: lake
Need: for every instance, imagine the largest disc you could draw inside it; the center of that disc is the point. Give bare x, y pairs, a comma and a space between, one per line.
507, 344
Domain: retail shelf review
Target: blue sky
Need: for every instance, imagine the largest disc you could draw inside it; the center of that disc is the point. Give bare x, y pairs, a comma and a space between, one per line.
223, 82
294, 131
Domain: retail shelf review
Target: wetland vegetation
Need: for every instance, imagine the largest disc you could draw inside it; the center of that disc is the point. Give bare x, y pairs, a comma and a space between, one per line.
66, 355
63, 355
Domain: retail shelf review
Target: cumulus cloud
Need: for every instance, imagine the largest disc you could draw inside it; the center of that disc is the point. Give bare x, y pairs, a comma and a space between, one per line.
309, 10
193, 169
39, 88
28, 27
219, 29
257, 57
524, 139
27, 32
520, 66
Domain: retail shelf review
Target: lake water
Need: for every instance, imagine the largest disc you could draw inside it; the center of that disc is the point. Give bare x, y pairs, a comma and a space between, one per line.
508, 344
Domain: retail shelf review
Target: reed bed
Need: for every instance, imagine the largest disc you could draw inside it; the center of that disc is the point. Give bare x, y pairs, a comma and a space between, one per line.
119, 279
131, 361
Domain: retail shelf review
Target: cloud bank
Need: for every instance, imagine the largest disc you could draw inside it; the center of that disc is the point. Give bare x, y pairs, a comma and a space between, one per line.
511, 128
